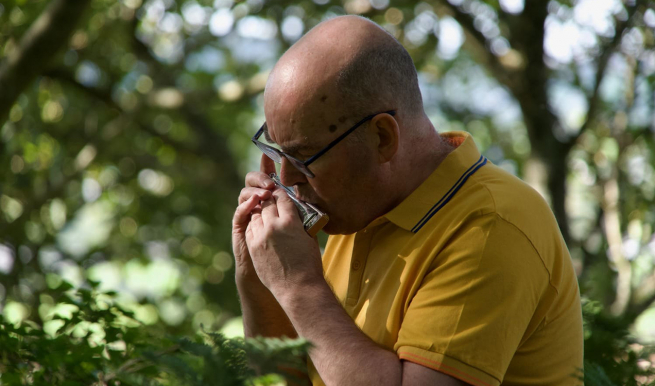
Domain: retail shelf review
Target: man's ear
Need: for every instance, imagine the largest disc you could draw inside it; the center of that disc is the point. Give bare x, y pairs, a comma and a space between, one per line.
388, 134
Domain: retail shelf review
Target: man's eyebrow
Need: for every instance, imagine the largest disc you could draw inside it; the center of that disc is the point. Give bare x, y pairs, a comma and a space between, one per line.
288, 149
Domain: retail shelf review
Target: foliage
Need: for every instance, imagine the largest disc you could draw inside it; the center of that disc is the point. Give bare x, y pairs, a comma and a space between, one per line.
99, 343
594, 375
122, 158
612, 355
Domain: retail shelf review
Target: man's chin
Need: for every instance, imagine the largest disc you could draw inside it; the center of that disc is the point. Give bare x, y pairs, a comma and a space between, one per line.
336, 227
326, 229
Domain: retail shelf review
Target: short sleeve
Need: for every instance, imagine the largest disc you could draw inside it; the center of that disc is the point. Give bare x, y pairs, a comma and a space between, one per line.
473, 308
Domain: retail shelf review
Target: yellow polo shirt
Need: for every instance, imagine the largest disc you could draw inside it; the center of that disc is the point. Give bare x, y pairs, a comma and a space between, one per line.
469, 276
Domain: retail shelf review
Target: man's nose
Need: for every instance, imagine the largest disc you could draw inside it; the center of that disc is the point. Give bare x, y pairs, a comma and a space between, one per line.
290, 175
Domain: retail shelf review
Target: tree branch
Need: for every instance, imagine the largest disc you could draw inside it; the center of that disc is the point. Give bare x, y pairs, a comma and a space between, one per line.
606, 53
209, 143
105, 97
40, 43
478, 41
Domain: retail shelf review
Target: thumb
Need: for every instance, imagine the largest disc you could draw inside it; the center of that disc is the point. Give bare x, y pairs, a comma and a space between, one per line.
267, 165
286, 207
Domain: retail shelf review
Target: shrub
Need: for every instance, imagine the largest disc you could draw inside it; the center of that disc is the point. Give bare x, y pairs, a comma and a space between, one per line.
100, 343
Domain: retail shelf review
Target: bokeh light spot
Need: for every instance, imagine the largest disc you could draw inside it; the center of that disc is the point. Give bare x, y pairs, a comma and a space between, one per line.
393, 16
221, 22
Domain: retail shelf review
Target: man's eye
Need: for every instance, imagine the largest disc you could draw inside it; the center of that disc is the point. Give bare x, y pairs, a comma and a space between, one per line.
302, 155
297, 156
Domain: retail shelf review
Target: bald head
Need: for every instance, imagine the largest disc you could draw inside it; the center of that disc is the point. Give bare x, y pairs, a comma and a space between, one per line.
352, 61
343, 70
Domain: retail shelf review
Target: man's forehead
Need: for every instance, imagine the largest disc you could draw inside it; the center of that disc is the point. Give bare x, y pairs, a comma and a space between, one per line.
301, 115
300, 79
302, 124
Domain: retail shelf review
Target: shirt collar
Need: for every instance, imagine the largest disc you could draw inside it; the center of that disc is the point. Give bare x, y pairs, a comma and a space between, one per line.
435, 192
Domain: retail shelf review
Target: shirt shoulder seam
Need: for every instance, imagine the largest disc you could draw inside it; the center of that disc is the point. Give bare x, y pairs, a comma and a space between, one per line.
494, 211
518, 229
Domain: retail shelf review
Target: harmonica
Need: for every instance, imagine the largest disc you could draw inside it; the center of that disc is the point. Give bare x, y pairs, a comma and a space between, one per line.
312, 218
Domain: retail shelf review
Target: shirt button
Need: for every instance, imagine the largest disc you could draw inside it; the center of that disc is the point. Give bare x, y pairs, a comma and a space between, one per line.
356, 265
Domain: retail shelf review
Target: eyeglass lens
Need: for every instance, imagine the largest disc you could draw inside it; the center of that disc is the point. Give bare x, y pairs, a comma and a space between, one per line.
270, 152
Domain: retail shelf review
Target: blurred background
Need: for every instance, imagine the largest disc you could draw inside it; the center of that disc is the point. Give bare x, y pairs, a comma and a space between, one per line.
125, 135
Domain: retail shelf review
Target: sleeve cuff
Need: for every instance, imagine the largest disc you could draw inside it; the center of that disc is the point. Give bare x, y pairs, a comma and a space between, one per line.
447, 365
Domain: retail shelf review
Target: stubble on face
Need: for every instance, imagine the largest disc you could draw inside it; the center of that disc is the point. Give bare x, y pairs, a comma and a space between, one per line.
347, 190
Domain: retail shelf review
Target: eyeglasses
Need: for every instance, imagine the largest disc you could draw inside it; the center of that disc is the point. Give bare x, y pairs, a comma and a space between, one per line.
276, 154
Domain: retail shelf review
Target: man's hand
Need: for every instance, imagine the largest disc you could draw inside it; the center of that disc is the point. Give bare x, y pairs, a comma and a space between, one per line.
284, 264
262, 314
284, 256
258, 187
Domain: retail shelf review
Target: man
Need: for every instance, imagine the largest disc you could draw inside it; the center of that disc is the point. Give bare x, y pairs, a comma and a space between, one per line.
441, 269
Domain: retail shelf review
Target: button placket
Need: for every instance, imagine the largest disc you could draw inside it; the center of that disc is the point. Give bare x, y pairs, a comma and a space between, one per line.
360, 254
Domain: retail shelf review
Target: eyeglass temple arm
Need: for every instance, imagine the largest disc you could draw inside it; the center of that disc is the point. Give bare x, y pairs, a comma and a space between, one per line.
342, 136
258, 133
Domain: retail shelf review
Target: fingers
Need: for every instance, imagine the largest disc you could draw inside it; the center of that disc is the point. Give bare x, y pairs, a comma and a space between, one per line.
259, 180
242, 214
285, 207
267, 165
269, 210
248, 192
255, 225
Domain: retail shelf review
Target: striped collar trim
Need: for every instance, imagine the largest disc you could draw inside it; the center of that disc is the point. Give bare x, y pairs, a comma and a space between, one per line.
440, 187
446, 197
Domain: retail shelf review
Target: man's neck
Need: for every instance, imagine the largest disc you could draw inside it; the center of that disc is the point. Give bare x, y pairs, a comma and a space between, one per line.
423, 156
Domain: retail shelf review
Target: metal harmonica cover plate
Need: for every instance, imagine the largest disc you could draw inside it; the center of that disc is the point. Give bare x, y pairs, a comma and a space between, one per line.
313, 219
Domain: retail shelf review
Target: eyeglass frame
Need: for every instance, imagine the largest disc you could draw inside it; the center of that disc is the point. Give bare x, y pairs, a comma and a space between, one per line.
303, 165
